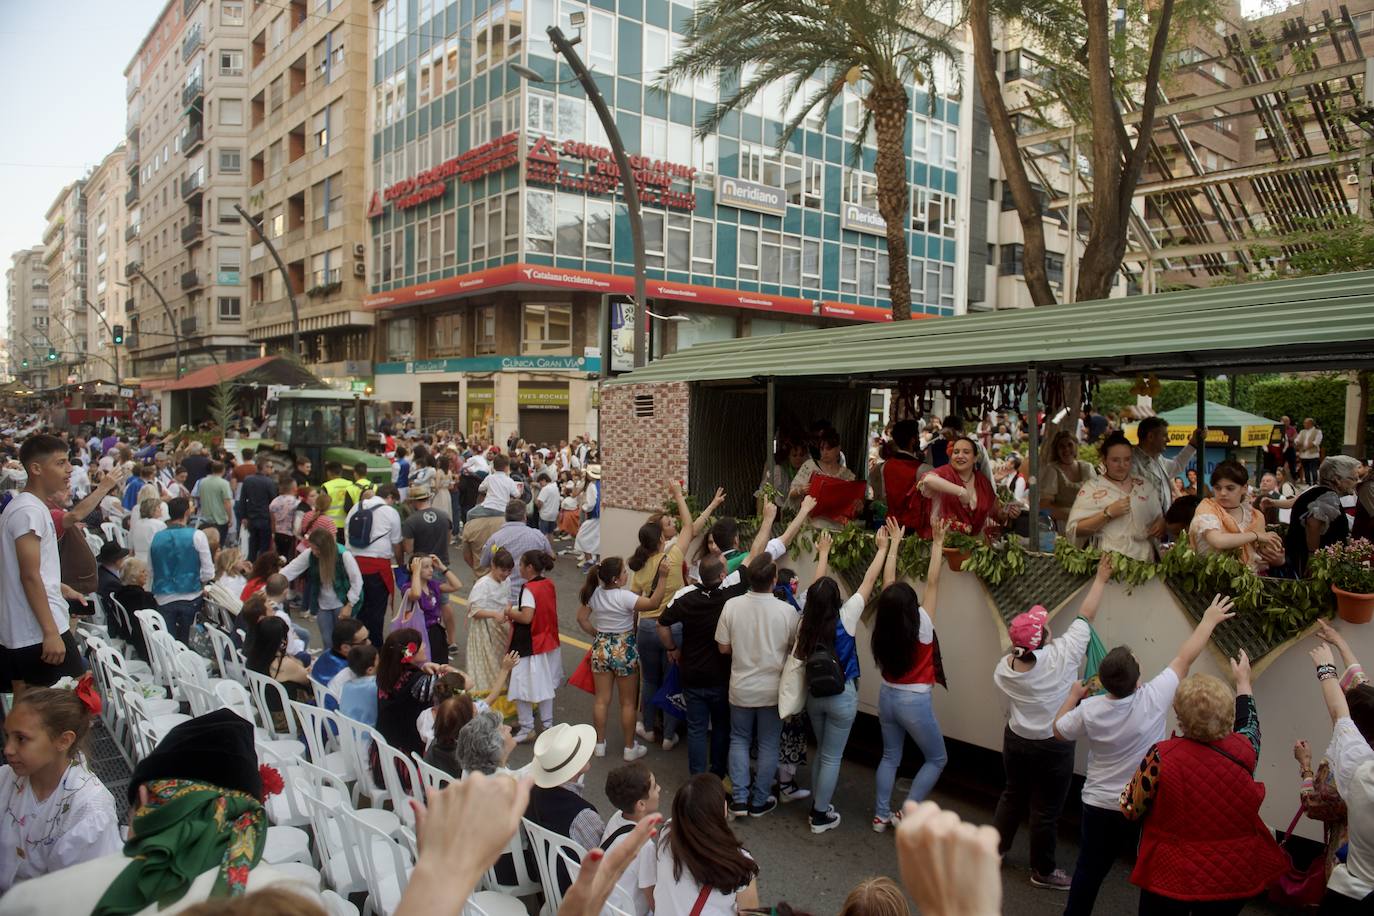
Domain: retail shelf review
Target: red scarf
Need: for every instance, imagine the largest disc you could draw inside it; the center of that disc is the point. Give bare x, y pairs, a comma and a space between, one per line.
953, 509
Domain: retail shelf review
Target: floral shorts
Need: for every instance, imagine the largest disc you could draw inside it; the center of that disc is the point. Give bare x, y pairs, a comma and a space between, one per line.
615, 653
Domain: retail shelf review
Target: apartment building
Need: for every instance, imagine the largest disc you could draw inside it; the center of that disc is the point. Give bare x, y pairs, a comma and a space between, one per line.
108, 234
65, 257
307, 161
187, 90
26, 295
499, 233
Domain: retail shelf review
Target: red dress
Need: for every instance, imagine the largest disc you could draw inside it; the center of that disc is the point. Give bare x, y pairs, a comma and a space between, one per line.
954, 510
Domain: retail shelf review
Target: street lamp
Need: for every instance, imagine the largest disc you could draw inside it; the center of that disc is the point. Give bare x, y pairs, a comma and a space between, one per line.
285, 277
113, 341
171, 319
562, 45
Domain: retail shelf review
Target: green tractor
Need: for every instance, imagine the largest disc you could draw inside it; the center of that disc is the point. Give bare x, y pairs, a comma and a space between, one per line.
323, 425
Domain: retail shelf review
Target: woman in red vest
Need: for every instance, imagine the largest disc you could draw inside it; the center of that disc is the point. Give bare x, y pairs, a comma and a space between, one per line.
961, 493
1204, 848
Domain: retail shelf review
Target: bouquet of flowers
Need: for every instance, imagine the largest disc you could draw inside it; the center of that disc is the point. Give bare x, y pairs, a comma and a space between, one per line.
1348, 565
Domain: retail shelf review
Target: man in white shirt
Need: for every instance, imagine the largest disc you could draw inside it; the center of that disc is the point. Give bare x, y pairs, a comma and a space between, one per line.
376, 545
755, 630
547, 503
497, 490
36, 644
1152, 435
182, 566
1309, 445
1120, 726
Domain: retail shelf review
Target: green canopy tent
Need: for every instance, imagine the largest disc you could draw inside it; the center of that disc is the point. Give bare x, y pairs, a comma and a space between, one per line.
1227, 427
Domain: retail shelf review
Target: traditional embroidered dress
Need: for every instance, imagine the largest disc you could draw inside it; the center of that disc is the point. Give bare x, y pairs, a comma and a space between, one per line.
76, 823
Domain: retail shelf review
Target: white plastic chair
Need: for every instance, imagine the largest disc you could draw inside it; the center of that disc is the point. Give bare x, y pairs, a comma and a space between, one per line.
115, 532
94, 541
618, 903
321, 694
228, 658
394, 762
235, 697
357, 737
491, 903
319, 729
261, 687
335, 905
323, 796
525, 883
431, 776
548, 846
286, 808
385, 863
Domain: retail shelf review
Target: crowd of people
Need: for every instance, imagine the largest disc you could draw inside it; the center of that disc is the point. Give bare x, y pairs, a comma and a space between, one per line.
703, 640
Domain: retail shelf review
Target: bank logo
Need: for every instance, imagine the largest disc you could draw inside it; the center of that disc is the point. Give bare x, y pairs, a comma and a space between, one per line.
750, 195
863, 219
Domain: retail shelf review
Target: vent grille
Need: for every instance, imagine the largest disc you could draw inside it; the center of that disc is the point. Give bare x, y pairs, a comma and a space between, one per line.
644, 406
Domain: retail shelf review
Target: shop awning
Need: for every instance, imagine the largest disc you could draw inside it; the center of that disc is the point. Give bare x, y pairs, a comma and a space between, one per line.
1278, 325
264, 370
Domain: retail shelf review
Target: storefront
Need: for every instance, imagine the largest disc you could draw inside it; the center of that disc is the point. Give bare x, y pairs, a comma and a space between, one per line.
543, 411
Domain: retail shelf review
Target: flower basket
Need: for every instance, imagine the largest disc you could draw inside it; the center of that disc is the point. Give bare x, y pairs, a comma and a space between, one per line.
959, 546
1349, 567
955, 557
1353, 607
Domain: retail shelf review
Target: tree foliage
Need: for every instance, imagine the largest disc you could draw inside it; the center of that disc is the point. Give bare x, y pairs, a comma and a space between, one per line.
222, 402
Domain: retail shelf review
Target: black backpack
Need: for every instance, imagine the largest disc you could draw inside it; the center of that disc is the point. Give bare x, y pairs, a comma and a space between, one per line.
360, 528
824, 673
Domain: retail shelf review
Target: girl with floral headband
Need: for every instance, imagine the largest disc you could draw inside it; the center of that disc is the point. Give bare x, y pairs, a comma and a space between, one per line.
53, 811
405, 688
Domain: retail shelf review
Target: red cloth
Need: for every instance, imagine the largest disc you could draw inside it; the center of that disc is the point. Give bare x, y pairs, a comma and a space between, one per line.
252, 587
544, 625
1203, 838
378, 566
835, 498
953, 509
900, 473
922, 666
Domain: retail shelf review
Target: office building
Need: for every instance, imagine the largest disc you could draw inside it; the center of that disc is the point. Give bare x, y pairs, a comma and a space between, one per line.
26, 294
64, 256
108, 234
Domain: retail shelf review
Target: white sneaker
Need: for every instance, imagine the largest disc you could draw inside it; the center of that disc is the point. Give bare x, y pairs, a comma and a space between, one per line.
600, 749
643, 732
524, 735
669, 743
634, 753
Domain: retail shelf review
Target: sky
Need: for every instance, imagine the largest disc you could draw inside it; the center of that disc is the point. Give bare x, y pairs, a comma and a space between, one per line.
63, 108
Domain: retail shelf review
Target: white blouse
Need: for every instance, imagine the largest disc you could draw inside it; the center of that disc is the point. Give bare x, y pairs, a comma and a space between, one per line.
75, 824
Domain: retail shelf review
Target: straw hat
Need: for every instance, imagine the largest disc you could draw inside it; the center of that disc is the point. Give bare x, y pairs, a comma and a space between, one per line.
561, 752
594, 471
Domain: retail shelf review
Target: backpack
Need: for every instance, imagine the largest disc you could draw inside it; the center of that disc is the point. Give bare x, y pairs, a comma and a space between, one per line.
360, 528
824, 673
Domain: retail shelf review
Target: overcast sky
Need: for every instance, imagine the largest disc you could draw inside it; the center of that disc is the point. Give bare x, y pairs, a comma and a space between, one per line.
62, 109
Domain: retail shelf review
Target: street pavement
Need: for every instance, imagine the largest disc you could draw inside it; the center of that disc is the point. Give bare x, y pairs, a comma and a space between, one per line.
814, 873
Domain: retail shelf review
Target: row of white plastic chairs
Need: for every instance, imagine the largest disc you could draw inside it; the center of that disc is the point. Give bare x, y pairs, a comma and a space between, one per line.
319, 753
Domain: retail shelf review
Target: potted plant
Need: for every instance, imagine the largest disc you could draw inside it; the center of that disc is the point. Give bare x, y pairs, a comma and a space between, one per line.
959, 544
1349, 567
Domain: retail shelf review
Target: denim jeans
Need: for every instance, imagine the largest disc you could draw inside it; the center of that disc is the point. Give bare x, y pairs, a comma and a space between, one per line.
708, 708
902, 713
260, 538
179, 616
831, 719
1106, 834
745, 723
653, 667
1038, 773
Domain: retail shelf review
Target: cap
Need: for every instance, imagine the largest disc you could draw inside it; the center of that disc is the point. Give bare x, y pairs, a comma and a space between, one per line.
1028, 630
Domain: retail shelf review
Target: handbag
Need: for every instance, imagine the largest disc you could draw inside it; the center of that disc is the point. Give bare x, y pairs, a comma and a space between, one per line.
792, 684
669, 696
582, 676
1299, 887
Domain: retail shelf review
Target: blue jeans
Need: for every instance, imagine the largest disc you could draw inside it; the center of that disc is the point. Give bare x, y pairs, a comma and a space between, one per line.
745, 722
326, 618
831, 719
179, 616
653, 667
708, 708
902, 713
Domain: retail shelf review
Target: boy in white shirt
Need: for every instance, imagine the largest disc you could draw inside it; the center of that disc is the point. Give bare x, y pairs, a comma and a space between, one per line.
498, 489
1120, 727
547, 502
634, 791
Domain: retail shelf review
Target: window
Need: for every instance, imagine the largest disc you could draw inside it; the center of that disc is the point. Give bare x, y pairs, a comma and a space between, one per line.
446, 334
655, 52
325, 267
231, 112
601, 41
225, 212
861, 188
748, 263
546, 329
569, 234
320, 126
1011, 264
229, 262
679, 249
479, 231
230, 63
703, 246
803, 181
539, 114
400, 339
230, 161
231, 12
598, 229
811, 263
230, 308
572, 116
538, 223
849, 269
655, 133
761, 164
920, 128
653, 238
484, 330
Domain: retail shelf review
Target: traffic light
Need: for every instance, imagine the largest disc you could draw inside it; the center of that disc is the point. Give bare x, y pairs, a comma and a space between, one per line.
52, 354
25, 364
118, 334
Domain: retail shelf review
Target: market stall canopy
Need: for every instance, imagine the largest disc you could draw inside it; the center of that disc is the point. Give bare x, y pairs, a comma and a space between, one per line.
1298, 325
265, 370
1225, 426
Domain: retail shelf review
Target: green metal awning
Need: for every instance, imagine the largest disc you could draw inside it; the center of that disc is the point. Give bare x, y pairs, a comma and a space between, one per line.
1291, 325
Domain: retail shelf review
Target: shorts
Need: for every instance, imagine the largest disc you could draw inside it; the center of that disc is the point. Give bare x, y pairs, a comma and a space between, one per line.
548, 527
26, 664
615, 653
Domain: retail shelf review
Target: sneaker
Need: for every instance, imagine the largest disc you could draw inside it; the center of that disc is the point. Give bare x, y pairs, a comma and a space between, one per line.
669, 743
600, 750
634, 753
738, 809
790, 792
821, 821
881, 824
761, 810
1056, 880
524, 735
643, 732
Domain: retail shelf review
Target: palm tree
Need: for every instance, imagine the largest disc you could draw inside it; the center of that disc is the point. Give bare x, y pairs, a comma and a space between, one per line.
876, 46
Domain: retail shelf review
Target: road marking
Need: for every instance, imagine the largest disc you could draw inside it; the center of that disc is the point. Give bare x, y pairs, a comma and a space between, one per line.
576, 643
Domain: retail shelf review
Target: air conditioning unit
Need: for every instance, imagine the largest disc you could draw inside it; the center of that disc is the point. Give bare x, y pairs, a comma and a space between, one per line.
1352, 178
360, 269
359, 250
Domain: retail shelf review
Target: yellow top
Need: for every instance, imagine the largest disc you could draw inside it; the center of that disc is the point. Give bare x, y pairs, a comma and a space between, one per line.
339, 489
642, 582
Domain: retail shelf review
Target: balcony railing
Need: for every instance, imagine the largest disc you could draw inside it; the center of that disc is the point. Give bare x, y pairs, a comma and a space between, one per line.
191, 232
131, 196
131, 124
192, 137
132, 231
190, 280
187, 6
131, 160
194, 40
190, 325
191, 185
131, 269
193, 91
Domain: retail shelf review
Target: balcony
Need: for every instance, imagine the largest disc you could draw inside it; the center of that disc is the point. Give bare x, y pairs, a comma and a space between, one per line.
193, 91
192, 137
131, 269
132, 231
192, 185
131, 196
131, 160
194, 41
131, 125
190, 280
192, 232
190, 326
187, 6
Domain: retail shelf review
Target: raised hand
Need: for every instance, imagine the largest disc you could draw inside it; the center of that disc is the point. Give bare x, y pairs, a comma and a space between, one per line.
1220, 610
